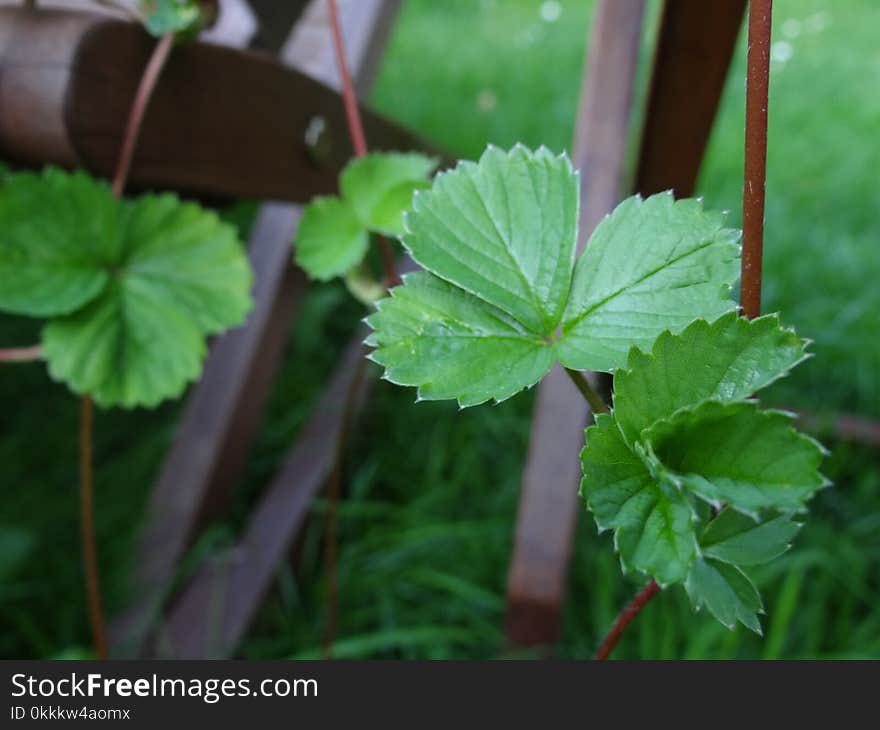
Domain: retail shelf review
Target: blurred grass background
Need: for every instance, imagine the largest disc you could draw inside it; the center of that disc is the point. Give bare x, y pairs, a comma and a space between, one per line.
426, 530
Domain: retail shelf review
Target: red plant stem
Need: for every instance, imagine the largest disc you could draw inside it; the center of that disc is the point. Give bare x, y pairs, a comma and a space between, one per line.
334, 494
87, 528
21, 354
356, 127
86, 477
139, 108
754, 178
624, 618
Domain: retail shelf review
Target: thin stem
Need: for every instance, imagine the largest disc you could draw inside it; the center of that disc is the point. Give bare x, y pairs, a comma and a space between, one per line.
139, 108
587, 391
754, 178
356, 127
334, 488
334, 494
21, 354
87, 528
624, 618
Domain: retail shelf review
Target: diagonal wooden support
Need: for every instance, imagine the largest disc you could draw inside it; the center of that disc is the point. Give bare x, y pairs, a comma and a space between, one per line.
224, 410
215, 608
693, 54
548, 504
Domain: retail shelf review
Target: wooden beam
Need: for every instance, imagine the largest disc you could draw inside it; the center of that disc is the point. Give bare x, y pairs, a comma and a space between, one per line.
695, 45
215, 608
222, 122
225, 408
549, 503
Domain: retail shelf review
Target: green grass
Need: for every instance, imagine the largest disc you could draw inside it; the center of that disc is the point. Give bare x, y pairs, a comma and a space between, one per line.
427, 528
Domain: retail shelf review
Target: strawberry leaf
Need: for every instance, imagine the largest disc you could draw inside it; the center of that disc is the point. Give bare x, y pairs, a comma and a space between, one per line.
739, 454
52, 255
380, 186
651, 265
333, 235
652, 519
682, 434
134, 286
453, 345
727, 593
330, 240
171, 16
728, 359
504, 230
741, 540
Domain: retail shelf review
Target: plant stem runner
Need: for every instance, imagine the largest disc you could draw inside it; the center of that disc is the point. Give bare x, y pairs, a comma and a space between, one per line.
21, 354
90, 552
356, 127
87, 528
334, 487
624, 618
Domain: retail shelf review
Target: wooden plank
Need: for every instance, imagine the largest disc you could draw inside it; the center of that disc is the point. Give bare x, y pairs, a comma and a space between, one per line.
549, 503
695, 45
225, 408
215, 608
222, 122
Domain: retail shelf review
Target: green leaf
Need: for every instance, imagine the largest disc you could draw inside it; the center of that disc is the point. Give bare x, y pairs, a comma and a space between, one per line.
726, 592
652, 519
135, 286
380, 186
503, 229
171, 16
741, 540
727, 360
652, 265
53, 257
737, 453
131, 347
331, 240
178, 275
333, 235
188, 257
453, 345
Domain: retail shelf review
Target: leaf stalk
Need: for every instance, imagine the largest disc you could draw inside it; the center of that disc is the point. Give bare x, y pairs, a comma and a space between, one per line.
356, 127
21, 354
624, 618
587, 391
